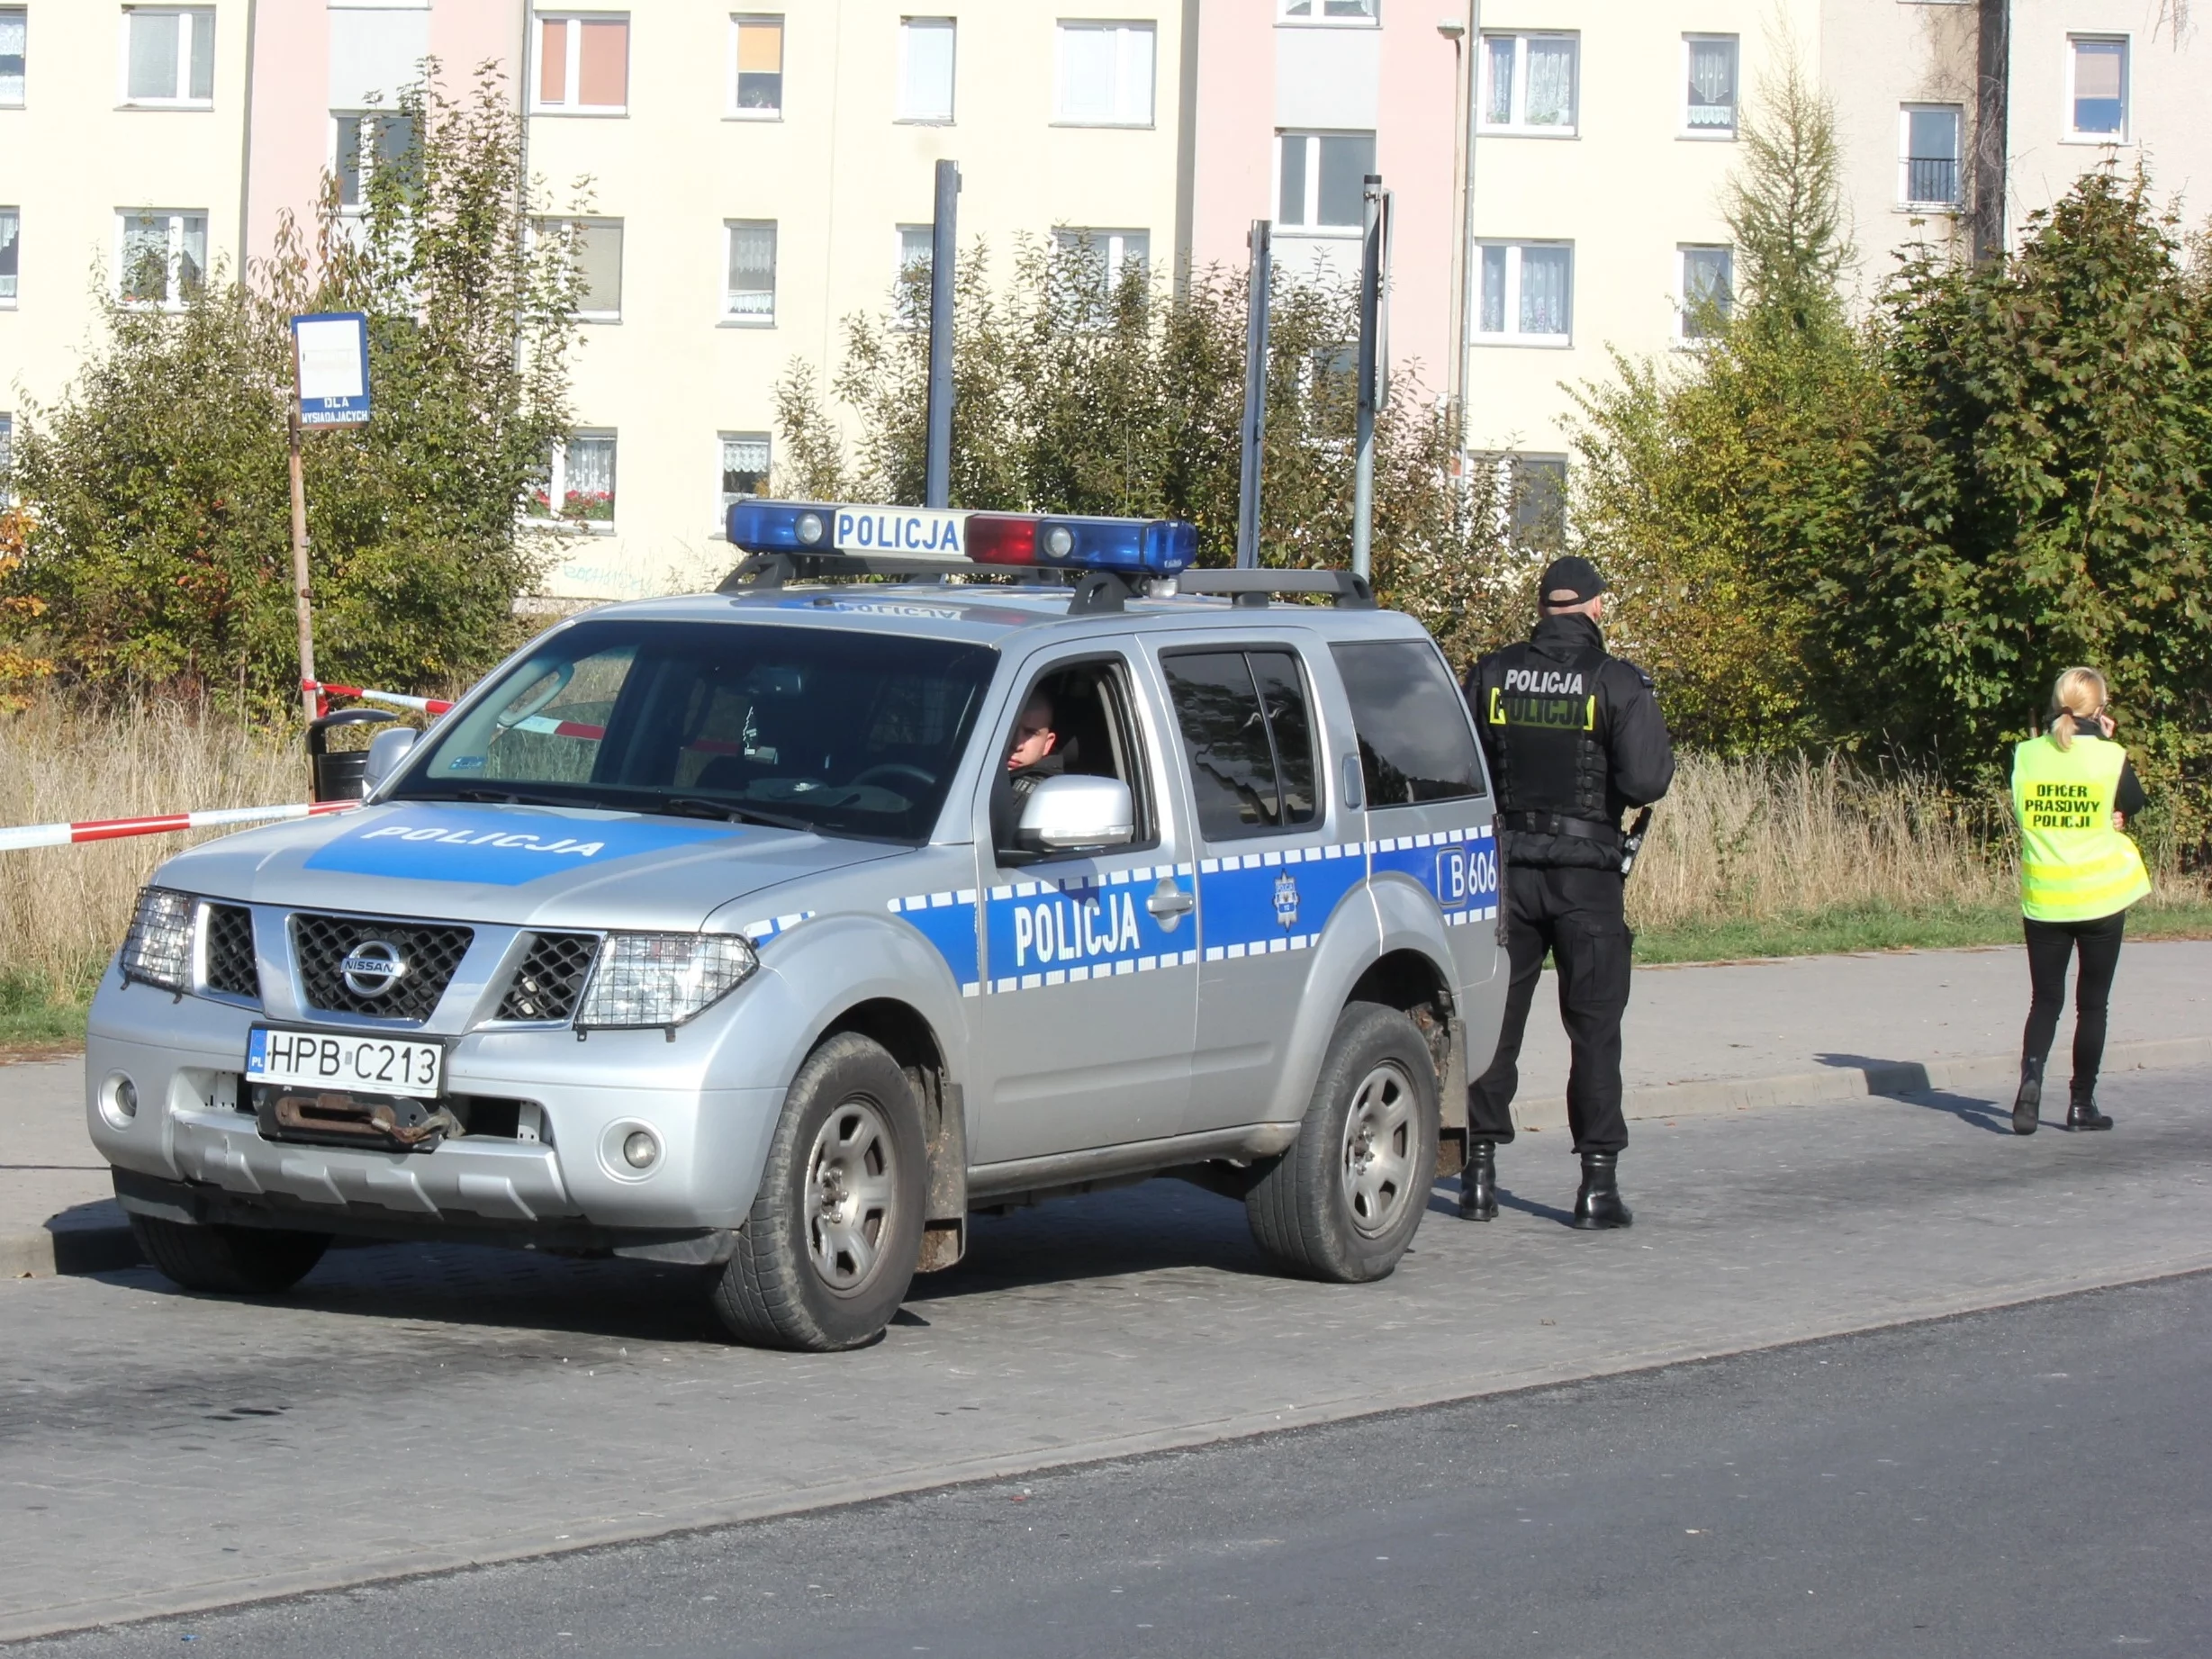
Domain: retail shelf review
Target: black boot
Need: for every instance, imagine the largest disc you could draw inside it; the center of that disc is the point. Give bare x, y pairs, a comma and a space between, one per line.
1598, 1204
1478, 1183
2027, 1104
2082, 1110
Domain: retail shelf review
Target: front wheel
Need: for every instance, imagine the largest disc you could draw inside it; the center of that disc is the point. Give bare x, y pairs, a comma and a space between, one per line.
830, 1246
1343, 1204
229, 1261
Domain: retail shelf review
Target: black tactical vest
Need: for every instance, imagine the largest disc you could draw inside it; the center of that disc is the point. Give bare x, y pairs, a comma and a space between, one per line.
1540, 715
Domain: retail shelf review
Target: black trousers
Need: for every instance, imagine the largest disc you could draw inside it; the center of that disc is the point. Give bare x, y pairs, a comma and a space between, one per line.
1575, 916
2051, 946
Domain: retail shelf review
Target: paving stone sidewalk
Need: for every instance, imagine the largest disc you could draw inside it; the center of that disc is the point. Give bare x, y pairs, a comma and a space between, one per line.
1701, 1040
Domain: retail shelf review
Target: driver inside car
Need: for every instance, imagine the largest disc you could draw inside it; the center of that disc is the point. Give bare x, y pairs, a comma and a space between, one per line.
1031, 757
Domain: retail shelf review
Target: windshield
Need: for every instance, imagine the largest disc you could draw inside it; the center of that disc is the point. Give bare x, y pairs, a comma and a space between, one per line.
849, 734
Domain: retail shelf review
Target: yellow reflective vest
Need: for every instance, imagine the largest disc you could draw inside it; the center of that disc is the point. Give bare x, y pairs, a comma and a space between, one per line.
2074, 866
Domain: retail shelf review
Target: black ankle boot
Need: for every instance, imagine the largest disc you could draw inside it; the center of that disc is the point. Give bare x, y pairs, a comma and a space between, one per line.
2082, 1110
1478, 1183
2027, 1104
1598, 1204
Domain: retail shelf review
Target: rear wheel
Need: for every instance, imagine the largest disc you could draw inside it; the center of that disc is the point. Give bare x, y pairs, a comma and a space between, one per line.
829, 1250
1343, 1204
230, 1261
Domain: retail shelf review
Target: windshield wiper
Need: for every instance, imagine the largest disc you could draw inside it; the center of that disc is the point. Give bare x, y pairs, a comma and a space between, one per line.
513, 798
699, 806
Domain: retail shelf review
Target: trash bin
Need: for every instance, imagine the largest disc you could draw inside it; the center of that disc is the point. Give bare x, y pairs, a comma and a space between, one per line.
337, 775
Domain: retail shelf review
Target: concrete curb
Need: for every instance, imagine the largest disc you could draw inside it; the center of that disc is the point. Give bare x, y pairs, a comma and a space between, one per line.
97, 1244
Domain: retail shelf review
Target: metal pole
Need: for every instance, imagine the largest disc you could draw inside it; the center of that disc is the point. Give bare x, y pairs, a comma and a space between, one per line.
299, 564
1259, 293
944, 237
1370, 299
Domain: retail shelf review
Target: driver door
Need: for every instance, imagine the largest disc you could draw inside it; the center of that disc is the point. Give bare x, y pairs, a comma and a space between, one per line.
1083, 1032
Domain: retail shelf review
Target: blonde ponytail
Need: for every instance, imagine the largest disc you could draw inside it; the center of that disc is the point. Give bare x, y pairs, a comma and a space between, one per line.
2080, 692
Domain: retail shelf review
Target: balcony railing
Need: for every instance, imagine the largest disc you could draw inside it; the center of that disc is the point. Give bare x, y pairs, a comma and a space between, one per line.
1932, 180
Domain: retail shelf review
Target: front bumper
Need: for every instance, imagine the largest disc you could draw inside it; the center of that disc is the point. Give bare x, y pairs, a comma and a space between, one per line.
183, 1057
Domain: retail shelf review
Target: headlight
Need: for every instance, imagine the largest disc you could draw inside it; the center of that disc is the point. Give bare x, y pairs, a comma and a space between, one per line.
663, 978
157, 949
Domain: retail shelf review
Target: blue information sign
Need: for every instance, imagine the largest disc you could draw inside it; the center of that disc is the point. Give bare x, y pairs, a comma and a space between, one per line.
331, 354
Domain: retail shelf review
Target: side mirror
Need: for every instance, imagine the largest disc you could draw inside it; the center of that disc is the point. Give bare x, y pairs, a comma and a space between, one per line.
386, 750
1076, 815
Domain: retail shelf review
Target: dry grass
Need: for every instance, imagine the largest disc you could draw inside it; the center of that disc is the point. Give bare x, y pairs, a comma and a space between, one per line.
62, 909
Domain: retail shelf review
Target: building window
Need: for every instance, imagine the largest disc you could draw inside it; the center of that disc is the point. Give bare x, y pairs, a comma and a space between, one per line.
757, 66
744, 472
910, 278
10, 240
2097, 89
1105, 74
1708, 290
1115, 250
169, 56
926, 68
1927, 162
583, 65
596, 247
1709, 110
15, 28
749, 294
7, 459
580, 482
364, 141
1527, 293
1320, 178
1528, 82
161, 256
1536, 486
1325, 10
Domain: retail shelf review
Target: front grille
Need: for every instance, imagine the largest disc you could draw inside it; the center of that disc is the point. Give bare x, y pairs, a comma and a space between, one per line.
431, 953
551, 978
231, 967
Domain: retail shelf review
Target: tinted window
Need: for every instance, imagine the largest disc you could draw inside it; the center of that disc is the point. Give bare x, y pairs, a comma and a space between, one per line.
847, 733
1248, 737
1414, 741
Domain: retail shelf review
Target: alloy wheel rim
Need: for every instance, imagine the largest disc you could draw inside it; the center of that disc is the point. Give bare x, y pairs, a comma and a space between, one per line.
1379, 1146
852, 1195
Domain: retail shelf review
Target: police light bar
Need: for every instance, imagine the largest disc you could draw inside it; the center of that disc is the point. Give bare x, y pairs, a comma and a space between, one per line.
932, 537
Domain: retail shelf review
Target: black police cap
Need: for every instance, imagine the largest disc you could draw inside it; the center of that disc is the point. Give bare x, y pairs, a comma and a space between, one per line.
1570, 580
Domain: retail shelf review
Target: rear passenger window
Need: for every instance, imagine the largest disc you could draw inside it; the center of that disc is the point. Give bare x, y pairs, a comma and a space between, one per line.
1414, 741
1247, 732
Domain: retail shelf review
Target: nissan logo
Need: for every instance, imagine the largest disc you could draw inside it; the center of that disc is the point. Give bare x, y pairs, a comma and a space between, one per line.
372, 968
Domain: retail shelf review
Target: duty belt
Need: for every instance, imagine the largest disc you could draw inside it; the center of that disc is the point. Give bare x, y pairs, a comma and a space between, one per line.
1554, 824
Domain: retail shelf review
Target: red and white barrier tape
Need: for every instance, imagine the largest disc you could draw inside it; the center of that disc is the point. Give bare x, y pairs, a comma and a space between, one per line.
115, 829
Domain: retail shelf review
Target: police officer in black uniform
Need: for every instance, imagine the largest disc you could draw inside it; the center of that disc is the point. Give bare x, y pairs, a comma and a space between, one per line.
1575, 738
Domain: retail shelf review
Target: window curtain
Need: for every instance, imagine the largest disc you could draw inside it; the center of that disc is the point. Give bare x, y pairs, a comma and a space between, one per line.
11, 34
1498, 106
1543, 290
1493, 292
751, 270
589, 487
10, 227
744, 466
1712, 83
1551, 83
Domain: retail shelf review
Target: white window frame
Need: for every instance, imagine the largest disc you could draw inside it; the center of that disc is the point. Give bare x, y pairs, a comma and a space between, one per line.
1111, 243
1906, 201
175, 298
7, 301
22, 15
368, 158
192, 21
737, 22
1310, 137
562, 227
2127, 44
901, 320
7, 458
571, 68
1682, 250
1510, 334
1118, 26
721, 498
751, 320
1316, 15
1518, 126
556, 487
1715, 135
900, 113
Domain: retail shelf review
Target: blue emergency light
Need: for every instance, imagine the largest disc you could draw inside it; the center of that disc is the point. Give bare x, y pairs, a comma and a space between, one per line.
932, 538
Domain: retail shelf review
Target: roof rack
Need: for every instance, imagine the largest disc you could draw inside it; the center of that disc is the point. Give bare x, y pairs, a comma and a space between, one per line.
1257, 587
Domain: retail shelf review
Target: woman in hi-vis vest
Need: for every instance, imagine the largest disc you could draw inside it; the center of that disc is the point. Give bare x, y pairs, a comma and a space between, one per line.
2072, 789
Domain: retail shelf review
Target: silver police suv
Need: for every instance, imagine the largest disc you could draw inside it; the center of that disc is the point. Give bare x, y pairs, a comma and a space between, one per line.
777, 930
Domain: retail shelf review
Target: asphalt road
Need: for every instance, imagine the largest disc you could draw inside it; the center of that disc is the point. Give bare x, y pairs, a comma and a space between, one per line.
2028, 1482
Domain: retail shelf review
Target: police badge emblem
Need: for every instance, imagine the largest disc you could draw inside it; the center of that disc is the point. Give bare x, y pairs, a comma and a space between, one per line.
1285, 901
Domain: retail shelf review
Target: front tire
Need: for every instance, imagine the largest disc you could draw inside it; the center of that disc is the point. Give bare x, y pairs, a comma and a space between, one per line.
229, 1261
1342, 1205
827, 1255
